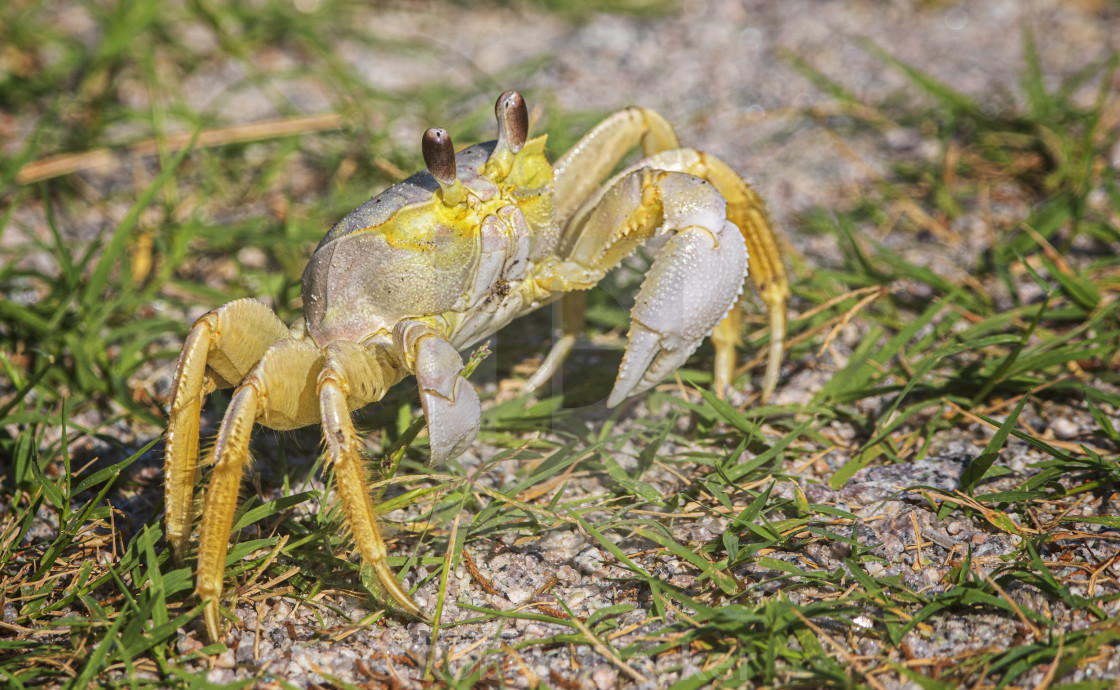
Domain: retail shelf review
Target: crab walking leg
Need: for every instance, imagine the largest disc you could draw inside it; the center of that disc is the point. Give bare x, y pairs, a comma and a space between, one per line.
352, 378
748, 212
231, 453
588, 163
571, 307
695, 278
450, 402
209, 361
279, 393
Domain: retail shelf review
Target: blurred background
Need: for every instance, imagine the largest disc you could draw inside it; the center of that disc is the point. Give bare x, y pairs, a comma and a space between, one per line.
295, 112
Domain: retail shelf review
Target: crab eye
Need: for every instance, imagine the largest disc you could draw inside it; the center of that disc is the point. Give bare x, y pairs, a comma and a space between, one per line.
439, 154
513, 120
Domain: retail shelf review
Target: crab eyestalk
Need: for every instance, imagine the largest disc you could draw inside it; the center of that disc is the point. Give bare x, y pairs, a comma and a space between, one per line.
439, 156
513, 130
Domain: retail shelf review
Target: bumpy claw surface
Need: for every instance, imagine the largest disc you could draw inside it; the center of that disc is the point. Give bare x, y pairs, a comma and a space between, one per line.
443, 260
695, 278
693, 283
450, 403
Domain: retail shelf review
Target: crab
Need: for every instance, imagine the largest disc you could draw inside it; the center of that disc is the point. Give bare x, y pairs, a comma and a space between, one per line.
440, 262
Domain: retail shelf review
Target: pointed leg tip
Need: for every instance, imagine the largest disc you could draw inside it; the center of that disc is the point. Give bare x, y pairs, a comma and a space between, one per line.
405, 600
410, 607
213, 621
396, 592
769, 383
413, 608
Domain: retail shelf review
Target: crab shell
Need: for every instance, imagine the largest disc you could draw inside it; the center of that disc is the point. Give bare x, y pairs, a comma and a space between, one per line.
406, 255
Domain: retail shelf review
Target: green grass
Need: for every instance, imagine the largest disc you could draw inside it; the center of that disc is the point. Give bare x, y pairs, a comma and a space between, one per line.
98, 298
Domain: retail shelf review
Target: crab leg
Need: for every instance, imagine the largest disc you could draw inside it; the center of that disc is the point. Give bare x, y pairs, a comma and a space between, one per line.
577, 173
588, 163
280, 393
231, 453
695, 278
353, 377
693, 283
571, 307
209, 361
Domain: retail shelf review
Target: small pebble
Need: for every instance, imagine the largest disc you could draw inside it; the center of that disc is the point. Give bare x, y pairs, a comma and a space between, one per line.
245, 648
1064, 428
518, 595
187, 644
604, 677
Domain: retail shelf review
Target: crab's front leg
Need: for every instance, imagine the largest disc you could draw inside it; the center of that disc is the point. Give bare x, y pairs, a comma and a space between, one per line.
577, 173
748, 213
580, 170
695, 278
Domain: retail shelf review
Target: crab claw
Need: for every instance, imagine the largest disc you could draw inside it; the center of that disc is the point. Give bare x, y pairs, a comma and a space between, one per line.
693, 283
450, 402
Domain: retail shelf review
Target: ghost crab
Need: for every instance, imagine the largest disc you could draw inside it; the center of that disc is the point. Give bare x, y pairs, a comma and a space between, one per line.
443, 260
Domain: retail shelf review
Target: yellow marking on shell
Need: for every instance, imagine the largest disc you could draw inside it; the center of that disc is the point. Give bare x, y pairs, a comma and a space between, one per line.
416, 226
529, 184
499, 164
531, 169
528, 168
451, 196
